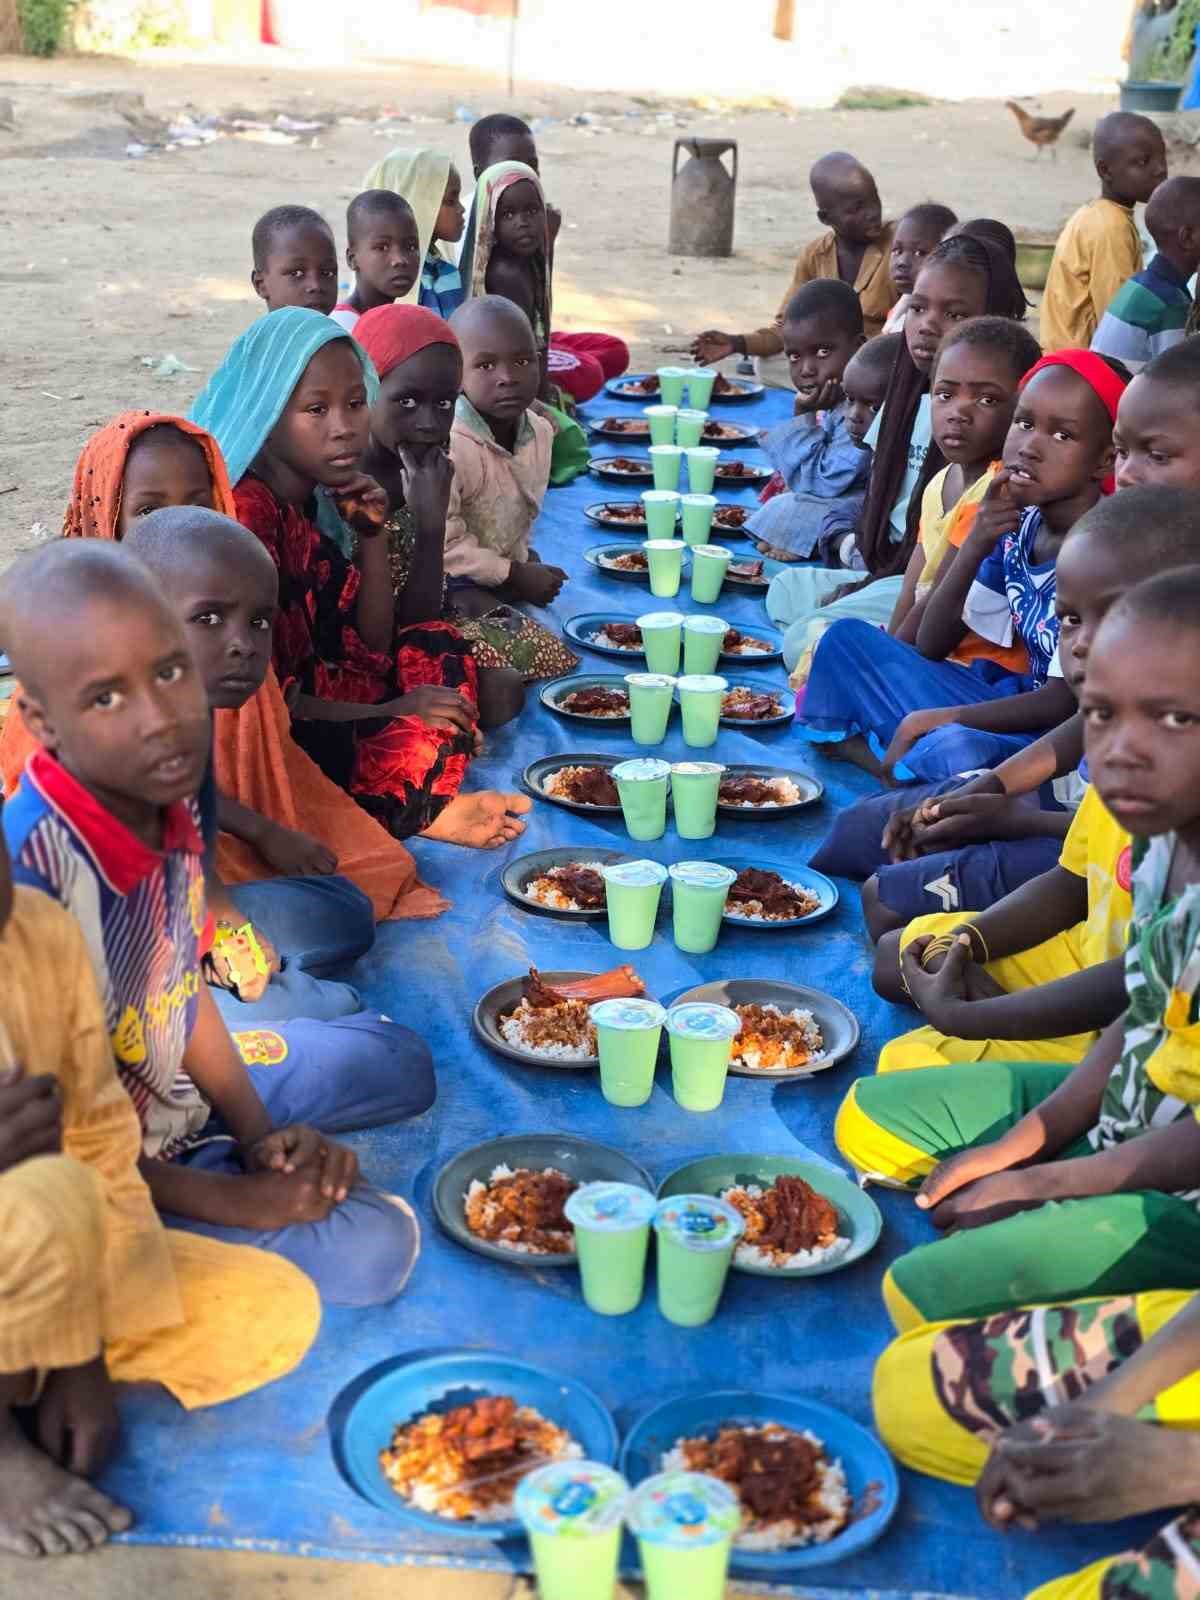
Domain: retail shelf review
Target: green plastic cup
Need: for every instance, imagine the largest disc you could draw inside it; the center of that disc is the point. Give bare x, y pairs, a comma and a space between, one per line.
642, 784
698, 510
670, 385
662, 511
700, 699
572, 1512
694, 789
665, 460
709, 562
628, 1034
689, 428
651, 696
684, 1523
702, 468
697, 1235
698, 891
662, 423
701, 1038
664, 557
702, 639
612, 1235
632, 890
662, 632
700, 382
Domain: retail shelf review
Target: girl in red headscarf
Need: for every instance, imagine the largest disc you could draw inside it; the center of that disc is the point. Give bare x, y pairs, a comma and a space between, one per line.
906, 712
419, 364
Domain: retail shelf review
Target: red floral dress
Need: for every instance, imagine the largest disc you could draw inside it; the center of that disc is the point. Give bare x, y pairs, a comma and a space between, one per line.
400, 770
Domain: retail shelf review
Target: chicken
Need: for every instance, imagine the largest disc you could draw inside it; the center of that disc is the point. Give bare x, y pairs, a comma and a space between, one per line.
1040, 131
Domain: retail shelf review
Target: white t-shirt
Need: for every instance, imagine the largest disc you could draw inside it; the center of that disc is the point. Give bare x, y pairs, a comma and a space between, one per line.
918, 448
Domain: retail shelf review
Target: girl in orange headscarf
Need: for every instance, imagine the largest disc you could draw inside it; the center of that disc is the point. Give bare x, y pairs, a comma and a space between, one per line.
279, 813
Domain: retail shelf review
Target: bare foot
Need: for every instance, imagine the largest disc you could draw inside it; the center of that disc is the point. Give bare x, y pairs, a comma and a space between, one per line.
45, 1511
481, 821
858, 753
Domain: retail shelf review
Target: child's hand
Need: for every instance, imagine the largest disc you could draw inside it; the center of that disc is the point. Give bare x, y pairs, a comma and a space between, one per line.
949, 821
436, 706
840, 593
713, 346
363, 505
271, 1200
535, 581
989, 1199
938, 994
898, 837
999, 513
296, 855
427, 481
967, 1167
825, 397
298, 1149
30, 1117
913, 727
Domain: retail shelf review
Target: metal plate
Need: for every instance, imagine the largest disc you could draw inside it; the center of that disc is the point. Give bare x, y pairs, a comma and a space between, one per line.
838, 1024
518, 873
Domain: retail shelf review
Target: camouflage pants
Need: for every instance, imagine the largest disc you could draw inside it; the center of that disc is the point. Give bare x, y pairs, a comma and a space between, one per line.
943, 1390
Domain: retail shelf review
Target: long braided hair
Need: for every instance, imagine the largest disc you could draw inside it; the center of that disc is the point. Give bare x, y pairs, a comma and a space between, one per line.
1003, 297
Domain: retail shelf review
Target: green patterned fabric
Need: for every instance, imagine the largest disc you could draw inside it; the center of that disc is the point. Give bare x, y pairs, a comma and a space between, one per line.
1168, 1568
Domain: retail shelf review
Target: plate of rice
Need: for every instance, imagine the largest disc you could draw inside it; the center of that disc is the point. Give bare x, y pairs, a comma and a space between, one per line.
773, 894
824, 1031
608, 633
441, 1441
766, 792
580, 781
541, 1019
503, 1199
815, 1486
599, 698
751, 706
626, 469
627, 563
564, 882
752, 646
804, 1219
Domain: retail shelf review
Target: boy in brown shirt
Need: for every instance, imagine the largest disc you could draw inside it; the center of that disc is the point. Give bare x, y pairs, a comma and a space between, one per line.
856, 249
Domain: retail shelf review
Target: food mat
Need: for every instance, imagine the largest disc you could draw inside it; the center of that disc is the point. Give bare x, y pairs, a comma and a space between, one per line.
260, 1475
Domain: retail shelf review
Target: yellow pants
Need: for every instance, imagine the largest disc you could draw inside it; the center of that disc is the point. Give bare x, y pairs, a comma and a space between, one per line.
1044, 963
248, 1317
918, 1428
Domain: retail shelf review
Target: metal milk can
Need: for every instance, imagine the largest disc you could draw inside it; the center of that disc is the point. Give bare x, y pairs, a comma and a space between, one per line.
703, 195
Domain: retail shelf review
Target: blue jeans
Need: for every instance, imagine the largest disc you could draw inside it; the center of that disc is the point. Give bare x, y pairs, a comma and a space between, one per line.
318, 925
358, 1072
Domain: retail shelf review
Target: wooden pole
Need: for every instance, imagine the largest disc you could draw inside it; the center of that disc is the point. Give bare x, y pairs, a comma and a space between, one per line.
785, 19
512, 50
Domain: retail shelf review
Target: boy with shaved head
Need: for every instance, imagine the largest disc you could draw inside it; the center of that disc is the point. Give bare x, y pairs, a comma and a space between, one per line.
1149, 312
1099, 247
856, 248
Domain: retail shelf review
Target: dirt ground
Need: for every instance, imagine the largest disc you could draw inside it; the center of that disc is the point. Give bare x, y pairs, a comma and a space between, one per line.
107, 260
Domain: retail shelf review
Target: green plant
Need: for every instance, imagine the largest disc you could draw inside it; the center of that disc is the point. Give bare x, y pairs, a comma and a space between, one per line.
43, 24
869, 97
1175, 56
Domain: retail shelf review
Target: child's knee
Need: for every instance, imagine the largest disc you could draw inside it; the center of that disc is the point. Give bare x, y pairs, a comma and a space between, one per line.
501, 696
886, 975
880, 919
370, 1246
392, 1071
910, 1417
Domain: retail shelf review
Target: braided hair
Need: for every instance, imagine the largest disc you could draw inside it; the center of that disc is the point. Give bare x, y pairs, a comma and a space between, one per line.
1003, 297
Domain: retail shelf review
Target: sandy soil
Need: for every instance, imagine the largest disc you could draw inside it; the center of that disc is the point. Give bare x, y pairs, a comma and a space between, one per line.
108, 260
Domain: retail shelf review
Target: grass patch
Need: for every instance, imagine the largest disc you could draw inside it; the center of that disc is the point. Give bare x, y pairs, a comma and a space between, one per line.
869, 97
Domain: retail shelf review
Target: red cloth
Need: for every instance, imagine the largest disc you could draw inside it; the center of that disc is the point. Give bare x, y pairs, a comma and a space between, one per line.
581, 363
390, 334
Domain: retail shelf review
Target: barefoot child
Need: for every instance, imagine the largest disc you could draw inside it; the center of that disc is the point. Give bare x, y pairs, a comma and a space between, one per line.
277, 941
290, 408
103, 822
278, 812
295, 260
918, 233
818, 452
420, 376
429, 183
964, 277
93, 1290
1149, 312
1069, 1181
501, 454
1099, 247
383, 251
907, 711
856, 249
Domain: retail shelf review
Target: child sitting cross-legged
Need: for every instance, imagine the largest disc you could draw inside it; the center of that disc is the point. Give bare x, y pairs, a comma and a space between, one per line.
295, 260
905, 711
383, 251
94, 1292
104, 823
818, 453
500, 446
1062, 1181
1046, 956
389, 713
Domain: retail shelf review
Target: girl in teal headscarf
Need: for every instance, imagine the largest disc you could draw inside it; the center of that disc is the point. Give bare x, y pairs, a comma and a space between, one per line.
390, 714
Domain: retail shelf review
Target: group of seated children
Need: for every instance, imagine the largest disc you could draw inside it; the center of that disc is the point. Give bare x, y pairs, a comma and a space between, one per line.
275, 634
